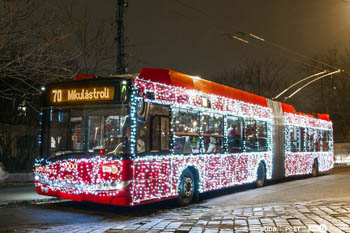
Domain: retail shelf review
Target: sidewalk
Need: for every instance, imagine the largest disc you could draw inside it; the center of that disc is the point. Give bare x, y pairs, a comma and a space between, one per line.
325, 216
18, 189
315, 216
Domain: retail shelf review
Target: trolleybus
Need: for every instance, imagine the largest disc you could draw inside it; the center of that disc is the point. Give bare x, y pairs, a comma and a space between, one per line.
159, 134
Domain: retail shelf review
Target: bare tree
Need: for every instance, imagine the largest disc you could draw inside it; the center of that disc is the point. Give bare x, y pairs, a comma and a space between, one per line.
97, 46
40, 42
264, 78
332, 95
33, 48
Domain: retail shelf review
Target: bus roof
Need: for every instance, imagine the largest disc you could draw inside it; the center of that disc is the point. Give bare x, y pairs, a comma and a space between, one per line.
178, 79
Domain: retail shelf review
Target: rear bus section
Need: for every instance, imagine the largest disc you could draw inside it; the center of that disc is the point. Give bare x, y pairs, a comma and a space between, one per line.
92, 178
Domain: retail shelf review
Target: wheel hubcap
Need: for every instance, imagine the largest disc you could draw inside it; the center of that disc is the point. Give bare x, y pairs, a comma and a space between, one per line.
188, 187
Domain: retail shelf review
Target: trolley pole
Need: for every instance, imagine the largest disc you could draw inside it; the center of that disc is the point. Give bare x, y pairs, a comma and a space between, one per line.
120, 64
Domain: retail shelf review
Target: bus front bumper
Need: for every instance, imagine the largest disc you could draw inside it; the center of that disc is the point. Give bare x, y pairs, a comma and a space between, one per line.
108, 197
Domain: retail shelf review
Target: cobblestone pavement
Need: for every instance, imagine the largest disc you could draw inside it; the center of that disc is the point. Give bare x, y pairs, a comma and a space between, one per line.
317, 216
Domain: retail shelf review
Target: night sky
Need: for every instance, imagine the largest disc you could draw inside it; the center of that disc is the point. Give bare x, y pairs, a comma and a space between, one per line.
187, 35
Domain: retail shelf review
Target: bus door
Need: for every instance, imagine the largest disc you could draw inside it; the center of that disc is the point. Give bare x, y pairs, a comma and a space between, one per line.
153, 163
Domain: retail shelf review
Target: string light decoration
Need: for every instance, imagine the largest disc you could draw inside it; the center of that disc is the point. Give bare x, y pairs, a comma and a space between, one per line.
158, 176
153, 177
80, 176
301, 162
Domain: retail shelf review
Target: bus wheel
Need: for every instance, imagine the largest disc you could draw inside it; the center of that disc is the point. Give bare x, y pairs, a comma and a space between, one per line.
315, 169
186, 188
261, 176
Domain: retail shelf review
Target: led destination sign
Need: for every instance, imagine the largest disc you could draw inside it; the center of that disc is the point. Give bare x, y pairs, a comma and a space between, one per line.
81, 94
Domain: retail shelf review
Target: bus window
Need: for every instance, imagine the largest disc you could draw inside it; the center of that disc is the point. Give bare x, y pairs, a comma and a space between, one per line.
294, 136
153, 129
249, 135
186, 131
234, 134
142, 142
212, 131
104, 132
90, 130
310, 140
261, 130
76, 133
318, 140
325, 140
155, 134
164, 129
59, 122
160, 134
95, 128
302, 139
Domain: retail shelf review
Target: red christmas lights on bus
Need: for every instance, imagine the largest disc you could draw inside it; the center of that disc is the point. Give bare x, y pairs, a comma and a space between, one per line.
133, 139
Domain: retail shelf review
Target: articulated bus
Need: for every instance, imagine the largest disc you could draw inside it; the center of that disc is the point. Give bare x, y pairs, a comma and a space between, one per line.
133, 139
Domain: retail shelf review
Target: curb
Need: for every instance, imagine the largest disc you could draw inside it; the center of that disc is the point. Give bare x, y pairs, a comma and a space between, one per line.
28, 202
19, 177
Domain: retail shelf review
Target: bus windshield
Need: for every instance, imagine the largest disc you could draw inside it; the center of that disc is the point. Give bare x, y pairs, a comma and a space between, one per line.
86, 129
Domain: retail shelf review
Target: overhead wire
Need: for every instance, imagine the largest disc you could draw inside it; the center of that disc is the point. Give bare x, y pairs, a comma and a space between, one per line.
291, 51
319, 68
233, 36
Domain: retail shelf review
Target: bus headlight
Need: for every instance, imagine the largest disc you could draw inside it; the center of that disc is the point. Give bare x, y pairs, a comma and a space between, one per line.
122, 185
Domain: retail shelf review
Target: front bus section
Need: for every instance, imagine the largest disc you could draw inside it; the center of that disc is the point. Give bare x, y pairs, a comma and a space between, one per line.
84, 143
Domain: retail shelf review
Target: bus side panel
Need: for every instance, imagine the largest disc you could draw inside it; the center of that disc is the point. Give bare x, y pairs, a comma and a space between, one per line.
325, 161
213, 172
247, 165
241, 172
299, 163
228, 165
151, 179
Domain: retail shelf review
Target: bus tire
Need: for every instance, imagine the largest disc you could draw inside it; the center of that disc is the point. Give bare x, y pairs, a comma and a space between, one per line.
260, 176
315, 171
186, 189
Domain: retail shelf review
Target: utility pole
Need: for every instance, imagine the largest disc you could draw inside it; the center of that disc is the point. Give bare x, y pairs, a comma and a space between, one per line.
121, 64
